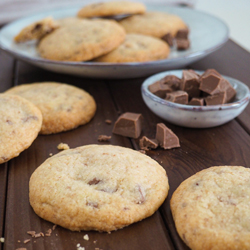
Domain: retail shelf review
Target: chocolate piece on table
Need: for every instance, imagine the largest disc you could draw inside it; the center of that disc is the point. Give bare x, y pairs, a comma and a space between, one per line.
172, 81
182, 34
104, 138
128, 124
168, 38
159, 89
167, 139
178, 96
216, 99
190, 83
145, 143
196, 101
182, 44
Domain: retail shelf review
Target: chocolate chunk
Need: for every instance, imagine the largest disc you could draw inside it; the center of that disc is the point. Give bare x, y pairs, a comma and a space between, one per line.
182, 44
104, 138
212, 83
167, 139
182, 34
230, 94
196, 101
190, 83
168, 38
216, 99
128, 124
211, 71
172, 81
178, 96
159, 89
146, 143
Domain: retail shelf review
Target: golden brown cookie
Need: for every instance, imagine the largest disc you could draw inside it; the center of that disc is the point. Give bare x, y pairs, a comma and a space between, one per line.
20, 123
111, 8
36, 30
81, 40
137, 48
97, 187
157, 24
211, 209
63, 106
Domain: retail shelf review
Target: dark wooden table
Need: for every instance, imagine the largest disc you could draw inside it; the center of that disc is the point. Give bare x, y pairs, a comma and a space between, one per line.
200, 148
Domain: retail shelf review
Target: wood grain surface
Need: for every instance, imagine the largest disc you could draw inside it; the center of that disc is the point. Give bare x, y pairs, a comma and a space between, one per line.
228, 144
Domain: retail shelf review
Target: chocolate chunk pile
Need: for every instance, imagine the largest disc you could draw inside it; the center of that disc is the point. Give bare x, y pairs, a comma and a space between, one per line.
181, 40
130, 125
210, 88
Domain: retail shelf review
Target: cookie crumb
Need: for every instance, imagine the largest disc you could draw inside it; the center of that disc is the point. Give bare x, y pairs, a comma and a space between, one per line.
38, 235
63, 146
79, 247
21, 248
18, 241
94, 241
54, 227
2, 240
50, 154
48, 232
26, 241
86, 237
32, 233
142, 151
104, 138
108, 121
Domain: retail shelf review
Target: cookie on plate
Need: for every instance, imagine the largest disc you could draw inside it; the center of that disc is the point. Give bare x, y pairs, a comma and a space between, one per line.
36, 30
82, 41
137, 48
97, 187
20, 123
63, 106
111, 8
211, 209
157, 24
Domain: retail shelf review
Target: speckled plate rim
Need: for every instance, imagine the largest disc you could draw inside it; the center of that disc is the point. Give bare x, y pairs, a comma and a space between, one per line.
234, 105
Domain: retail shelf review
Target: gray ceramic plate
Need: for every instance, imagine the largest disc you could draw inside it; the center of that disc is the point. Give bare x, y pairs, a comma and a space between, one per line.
207, 34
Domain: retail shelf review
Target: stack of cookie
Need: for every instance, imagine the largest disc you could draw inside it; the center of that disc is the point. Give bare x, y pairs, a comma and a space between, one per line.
139, 37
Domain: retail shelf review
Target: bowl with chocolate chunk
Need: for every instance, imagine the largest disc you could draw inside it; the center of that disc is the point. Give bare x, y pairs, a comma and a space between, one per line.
195, 99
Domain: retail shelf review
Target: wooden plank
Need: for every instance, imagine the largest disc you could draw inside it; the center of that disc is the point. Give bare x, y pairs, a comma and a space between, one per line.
233, 61
6, 65
150, 233
200, 148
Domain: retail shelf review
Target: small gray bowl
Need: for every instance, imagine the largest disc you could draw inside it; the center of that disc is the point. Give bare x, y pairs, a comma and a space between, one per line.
195, 116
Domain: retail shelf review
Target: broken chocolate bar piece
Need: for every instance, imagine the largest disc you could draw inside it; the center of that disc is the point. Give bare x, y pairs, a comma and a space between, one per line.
128, 124
182, 34
182, 44
190, 83
172, 81
196, 101
167, 139
216, 99
104, 138
146, 143
178, 96
168, 38
159, 89
211, 71
212, 83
